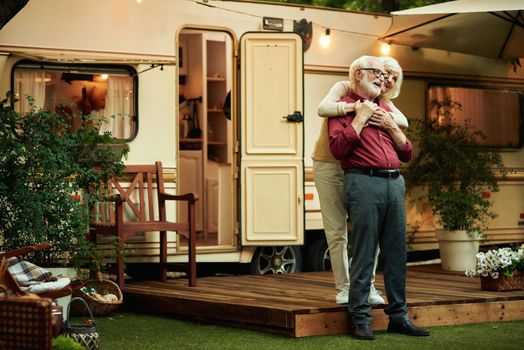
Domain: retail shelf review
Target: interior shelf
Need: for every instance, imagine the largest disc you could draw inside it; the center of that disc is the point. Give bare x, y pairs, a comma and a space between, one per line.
191, 140
205, 162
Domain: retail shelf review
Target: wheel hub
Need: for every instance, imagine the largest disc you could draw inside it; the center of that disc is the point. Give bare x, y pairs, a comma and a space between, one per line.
276, 261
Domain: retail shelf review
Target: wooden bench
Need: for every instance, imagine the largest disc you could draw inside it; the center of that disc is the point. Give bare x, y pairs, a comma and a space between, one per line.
137, 191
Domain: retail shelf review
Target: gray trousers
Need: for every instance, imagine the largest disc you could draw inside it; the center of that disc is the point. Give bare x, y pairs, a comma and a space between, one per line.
377, 211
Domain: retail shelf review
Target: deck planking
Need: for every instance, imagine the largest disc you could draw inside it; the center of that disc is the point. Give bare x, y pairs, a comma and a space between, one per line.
302, 304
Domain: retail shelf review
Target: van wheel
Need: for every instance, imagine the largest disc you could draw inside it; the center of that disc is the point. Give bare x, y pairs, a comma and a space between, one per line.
273, 260
318, 258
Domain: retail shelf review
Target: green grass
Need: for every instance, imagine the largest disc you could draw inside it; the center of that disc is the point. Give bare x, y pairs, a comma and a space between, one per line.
133, 331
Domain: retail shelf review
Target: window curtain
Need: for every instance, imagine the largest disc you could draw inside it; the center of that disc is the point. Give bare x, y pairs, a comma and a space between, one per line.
29, 82
119, 107
437, 93
481, 108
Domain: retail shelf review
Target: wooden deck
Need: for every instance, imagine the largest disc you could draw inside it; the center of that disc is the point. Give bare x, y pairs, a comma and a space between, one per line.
303, 304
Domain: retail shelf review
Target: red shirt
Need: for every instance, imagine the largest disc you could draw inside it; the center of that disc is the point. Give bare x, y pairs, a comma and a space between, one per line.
373, 148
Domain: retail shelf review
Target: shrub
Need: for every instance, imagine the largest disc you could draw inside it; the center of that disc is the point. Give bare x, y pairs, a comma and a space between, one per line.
49, 178
454, 168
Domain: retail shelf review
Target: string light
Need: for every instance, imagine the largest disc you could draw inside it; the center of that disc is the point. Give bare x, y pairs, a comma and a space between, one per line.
199, 2
325, 39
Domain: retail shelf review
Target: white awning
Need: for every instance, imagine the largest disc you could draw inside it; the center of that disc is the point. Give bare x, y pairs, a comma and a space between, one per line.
490, 28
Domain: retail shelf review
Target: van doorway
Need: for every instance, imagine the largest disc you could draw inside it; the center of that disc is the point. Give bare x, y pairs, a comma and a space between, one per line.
206, 158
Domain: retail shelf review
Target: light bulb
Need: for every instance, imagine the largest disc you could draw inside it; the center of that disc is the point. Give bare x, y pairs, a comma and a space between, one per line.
385, 49
104, 76
325, 39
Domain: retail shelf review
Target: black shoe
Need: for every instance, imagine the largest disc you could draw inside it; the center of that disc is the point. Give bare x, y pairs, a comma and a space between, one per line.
407, 328
363, 331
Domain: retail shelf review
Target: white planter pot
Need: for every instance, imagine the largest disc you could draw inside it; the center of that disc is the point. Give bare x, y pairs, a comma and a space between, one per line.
458, 250
70, 273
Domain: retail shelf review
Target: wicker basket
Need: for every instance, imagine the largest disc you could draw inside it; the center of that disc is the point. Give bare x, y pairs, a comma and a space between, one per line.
85, 334
503, 283
98, 307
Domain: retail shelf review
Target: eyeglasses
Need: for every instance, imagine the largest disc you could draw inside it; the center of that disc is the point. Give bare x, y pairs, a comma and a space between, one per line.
377, 72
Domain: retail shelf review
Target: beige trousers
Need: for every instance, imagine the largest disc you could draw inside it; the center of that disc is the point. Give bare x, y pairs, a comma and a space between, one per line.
329, 181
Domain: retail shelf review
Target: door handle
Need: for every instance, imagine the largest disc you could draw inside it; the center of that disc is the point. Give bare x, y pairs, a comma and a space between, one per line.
296, 117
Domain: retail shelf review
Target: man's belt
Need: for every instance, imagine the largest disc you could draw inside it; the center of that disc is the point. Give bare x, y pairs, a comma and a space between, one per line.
387, 173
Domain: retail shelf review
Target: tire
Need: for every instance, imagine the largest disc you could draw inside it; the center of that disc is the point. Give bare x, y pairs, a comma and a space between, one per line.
274, 260
318, 258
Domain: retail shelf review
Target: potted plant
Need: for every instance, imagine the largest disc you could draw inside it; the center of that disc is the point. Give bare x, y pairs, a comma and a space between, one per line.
49, 179
500, 269
454, 172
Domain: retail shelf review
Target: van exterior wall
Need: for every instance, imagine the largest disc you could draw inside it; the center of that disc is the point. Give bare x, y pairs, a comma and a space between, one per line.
117, 27
157, 119
508, 202
79, 24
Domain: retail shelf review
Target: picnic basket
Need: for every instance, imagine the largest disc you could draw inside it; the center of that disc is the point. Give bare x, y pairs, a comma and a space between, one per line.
25, 322
98, 306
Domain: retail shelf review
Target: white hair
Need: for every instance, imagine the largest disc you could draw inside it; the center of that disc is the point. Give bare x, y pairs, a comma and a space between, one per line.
361, 62
392, 64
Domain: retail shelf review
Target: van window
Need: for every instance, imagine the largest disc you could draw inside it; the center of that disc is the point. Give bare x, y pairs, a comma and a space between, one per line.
496, 112
106, 92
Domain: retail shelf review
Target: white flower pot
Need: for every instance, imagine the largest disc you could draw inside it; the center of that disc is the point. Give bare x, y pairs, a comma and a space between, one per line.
458, 250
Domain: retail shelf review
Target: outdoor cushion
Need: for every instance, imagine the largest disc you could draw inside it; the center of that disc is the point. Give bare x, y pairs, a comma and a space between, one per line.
33, 278
43, 287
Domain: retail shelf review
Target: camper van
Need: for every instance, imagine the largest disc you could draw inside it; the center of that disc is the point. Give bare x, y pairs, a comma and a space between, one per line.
225, 95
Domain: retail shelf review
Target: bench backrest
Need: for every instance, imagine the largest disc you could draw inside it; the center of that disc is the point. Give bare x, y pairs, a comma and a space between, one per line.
138, 189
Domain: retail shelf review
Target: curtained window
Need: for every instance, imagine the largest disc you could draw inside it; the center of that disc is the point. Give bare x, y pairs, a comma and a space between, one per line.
497, 113
29, 89
107, 93
119, 107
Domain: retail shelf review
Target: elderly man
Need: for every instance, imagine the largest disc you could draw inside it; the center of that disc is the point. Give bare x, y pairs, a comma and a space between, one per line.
370, 147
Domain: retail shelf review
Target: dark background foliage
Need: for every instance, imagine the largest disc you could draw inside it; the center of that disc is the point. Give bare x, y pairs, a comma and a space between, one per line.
383, 6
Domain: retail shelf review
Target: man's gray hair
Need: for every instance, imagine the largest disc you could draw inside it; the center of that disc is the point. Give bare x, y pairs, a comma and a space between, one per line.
361, 62
392, 64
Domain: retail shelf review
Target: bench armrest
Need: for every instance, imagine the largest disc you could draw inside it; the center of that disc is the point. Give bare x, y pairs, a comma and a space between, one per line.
26, 250
190, 197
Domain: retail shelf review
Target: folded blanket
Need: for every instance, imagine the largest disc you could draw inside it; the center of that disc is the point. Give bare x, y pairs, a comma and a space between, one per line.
26, 273
33, 278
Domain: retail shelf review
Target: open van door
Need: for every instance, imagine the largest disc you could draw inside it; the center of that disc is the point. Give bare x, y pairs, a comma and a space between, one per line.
272, 146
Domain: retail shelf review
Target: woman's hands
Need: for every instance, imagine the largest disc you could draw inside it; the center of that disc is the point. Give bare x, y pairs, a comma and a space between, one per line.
382, 119
369, 113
